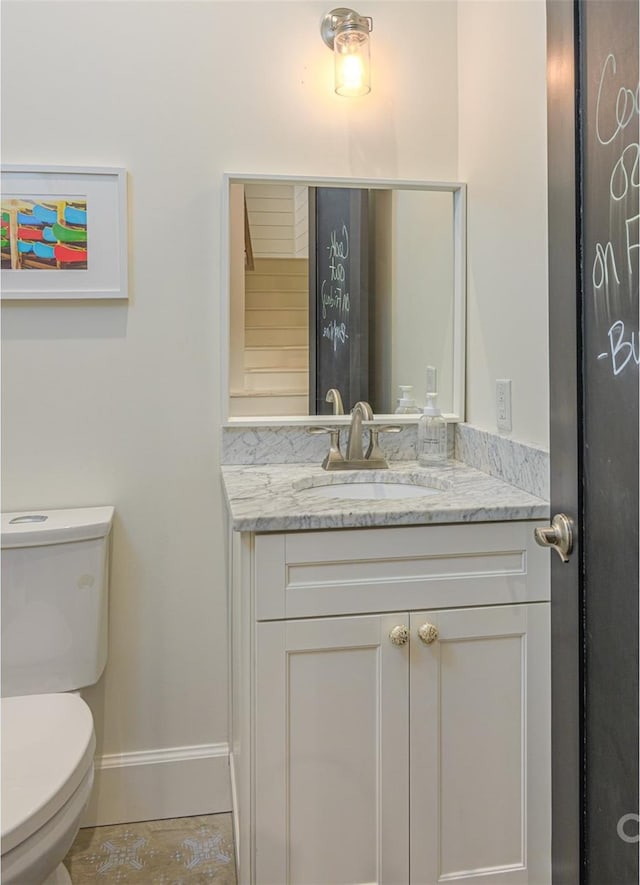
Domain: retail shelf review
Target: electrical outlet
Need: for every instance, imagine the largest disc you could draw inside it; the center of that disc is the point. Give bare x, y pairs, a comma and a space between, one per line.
503, 403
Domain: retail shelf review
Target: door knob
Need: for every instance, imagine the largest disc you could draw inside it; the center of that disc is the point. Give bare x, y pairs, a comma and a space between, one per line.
559, 536
399, 635
428, 633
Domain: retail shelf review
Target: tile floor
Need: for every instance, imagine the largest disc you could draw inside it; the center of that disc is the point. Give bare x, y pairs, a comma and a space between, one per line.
184, 851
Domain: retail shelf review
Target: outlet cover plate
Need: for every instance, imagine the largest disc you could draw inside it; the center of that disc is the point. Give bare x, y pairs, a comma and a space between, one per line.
503, 403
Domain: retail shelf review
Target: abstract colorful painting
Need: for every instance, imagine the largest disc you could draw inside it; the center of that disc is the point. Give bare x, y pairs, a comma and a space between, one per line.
48, 233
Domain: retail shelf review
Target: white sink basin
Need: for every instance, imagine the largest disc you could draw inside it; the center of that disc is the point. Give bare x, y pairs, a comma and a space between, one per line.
378, 486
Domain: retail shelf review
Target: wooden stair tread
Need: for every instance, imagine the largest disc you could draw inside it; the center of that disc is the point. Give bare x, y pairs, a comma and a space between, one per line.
259, 328
280, 265
264, 370
296, 347
278, 392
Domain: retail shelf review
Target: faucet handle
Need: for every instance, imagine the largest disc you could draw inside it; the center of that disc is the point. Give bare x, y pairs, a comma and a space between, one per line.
316, 431
374, 452
334, 455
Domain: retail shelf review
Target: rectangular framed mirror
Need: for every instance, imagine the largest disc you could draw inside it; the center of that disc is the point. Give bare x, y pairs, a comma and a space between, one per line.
351, 284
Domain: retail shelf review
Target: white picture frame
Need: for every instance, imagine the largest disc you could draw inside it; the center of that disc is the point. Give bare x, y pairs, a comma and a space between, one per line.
94, 268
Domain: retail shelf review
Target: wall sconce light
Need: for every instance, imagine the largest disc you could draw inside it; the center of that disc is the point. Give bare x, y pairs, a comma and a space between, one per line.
347, 34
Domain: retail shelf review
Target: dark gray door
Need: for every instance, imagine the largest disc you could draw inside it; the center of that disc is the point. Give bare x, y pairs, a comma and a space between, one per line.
594, 243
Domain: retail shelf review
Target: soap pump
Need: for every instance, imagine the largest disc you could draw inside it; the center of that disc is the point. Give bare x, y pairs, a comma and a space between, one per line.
406, 403
432, 428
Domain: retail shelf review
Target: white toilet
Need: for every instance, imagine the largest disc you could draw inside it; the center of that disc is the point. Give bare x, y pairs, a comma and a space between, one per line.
54, 640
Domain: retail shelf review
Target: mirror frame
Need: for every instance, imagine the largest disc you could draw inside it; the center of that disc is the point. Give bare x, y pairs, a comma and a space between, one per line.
459, 192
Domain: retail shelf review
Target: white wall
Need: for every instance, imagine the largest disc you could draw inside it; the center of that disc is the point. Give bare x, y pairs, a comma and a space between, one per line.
423, 267
502, 156
120, 403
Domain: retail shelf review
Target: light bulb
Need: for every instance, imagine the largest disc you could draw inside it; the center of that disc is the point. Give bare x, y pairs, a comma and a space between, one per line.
351, 73
351, 50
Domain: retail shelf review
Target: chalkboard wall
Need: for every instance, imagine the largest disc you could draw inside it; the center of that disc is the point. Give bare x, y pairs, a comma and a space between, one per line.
610, 249
339, 296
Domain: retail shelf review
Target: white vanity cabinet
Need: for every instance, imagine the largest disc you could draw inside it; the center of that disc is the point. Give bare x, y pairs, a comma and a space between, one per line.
359, 758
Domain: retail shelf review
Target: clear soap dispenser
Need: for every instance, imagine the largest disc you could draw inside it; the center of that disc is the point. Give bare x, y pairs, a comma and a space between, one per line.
432, 428
406, 403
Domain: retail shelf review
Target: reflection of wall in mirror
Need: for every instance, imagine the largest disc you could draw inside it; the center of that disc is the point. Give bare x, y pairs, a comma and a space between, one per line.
414, 279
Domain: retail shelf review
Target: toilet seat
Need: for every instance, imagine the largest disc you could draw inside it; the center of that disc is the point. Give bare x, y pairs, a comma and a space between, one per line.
33, 860
48, 744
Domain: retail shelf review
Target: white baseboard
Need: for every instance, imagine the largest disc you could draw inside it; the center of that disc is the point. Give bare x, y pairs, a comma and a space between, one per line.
157, 784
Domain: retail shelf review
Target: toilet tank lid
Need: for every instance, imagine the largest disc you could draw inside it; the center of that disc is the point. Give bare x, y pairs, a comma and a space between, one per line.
34, 528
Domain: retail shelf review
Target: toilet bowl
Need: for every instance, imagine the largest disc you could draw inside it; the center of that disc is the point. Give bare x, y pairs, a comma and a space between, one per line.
48, 744
54, 642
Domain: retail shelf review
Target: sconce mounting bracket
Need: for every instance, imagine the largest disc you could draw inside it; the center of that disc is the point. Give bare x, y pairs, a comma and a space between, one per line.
342, 16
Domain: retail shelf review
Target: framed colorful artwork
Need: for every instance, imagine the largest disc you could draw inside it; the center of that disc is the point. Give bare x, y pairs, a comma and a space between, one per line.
64, 232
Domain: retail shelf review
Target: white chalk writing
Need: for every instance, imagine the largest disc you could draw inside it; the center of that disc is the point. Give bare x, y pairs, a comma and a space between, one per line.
604, 259
334, 296
625, 172
336, 332
621, 350
617, 106
626, 102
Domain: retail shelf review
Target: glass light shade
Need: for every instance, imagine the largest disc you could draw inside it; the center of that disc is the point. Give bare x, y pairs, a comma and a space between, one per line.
352, 63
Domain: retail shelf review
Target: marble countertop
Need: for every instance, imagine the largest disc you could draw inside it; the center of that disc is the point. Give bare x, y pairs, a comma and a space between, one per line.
271, 498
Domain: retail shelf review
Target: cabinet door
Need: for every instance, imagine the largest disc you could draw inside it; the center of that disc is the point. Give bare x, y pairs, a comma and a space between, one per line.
480, 747
331, 746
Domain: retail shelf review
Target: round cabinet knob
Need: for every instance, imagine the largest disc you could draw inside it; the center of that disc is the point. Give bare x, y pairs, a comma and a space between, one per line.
428, 633
399, 635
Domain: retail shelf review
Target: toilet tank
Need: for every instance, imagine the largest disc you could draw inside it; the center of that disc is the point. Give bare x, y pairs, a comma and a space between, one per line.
55, 580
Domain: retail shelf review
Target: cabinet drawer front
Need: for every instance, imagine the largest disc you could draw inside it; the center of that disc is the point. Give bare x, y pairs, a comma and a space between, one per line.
307, 574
